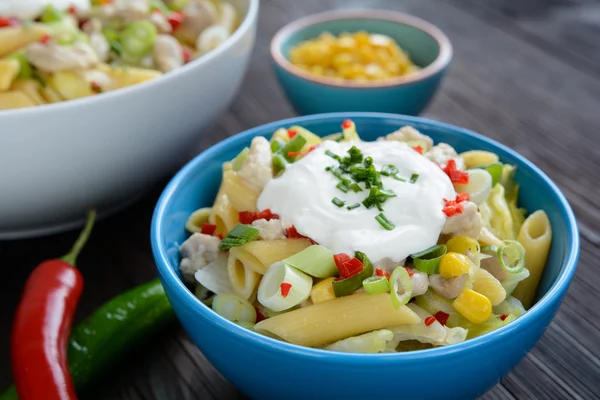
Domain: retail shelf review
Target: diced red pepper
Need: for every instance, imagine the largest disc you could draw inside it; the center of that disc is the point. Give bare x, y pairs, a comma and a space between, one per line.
292, 133
311, 148
503, 317
267, 214
351, 268
186, 54
418, 149
297, 153
462, 197
347, 124
220, 236
8, 22
72, 9
340, 259
455, 175
285, 289
380, 272
429, 320
247, 217
292, 233
442, 317
95, 87
409, 271
45, 38
208, 229
175, 19
453, 209
259, 315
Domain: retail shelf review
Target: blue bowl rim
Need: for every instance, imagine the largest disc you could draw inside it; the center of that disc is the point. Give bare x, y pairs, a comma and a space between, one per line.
170, 277
441, 61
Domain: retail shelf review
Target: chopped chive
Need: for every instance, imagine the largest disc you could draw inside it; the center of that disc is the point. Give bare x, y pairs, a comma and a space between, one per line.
338, 202
343, 187
294, 145
332, 155
414, 178
384, 222
355, 187
396, 177
279, 162
353, 206
238, 236
275, 145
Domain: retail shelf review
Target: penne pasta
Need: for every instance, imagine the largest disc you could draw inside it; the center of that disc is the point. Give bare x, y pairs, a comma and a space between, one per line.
487, 285
536, 236
223, 215
477, 158
241, 196
31, 87
9, 69
14, 38
330, 321
244, 281
197, 219
257, 256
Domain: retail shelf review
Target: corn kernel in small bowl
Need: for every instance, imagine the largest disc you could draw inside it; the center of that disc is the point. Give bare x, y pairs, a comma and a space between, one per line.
371, 60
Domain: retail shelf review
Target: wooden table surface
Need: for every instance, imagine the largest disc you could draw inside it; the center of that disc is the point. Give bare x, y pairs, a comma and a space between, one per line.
524, 73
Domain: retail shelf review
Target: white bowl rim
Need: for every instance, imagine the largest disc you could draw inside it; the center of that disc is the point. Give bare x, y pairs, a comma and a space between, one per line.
441, 61
243, 28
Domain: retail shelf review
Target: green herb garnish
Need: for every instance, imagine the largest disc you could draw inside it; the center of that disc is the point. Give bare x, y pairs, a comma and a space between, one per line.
383, 221
338, 202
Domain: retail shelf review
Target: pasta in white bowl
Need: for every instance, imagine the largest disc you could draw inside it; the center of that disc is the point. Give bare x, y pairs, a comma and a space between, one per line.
369, 247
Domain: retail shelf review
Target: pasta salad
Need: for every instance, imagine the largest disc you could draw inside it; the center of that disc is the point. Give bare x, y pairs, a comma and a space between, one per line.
57, 50
369, 247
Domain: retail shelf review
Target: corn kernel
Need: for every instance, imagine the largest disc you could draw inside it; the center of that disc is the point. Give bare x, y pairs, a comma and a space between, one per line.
322, 291
453, 265
473, 306
462, 244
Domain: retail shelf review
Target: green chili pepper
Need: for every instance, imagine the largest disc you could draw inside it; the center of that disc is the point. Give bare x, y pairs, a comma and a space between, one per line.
428, 260
346, 286
137, 40
99, 341
294, 145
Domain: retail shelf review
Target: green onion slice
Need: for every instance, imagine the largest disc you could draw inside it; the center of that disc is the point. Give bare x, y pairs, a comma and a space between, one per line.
384, 222
376, 284
293, 146
353, 206
338, 202
511, 256
271, 293
428, 260
400, 277
239, 236
279, 163
234, 308
137, 39
413, 178
315, 260
495, 170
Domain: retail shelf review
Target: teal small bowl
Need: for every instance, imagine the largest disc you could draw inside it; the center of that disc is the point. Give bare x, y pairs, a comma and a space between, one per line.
427, 46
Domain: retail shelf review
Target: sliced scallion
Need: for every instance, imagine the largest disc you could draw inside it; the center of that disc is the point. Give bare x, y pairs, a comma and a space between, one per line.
279, 163
238, 236
511, 256
294, 145
282, 287
353, 206
413, 178
384, 222
315, 260
234, 308
343, 187
428, 260
338, 202
376, 284
400, 277
333, 155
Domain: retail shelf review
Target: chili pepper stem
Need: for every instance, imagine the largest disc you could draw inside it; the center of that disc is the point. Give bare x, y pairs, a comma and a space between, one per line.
71, 257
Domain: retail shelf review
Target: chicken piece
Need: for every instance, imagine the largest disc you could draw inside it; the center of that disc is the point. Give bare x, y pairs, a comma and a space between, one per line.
197, 16
52, 57
197, 251
448, 288
442, 153
100, 45
160, 22
167, 54
467, 223
408, 134
257, 168
387, 265
492, 265
420, 283
269, 230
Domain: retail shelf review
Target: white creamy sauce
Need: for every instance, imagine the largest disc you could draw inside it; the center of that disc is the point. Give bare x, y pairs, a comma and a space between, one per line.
302, 197
30, 9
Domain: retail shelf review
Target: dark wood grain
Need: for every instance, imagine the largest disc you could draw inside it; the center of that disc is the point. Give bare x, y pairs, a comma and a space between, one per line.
524, 73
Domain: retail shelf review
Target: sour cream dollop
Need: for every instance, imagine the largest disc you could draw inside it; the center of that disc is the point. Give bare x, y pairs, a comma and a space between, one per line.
303, 194
31, 9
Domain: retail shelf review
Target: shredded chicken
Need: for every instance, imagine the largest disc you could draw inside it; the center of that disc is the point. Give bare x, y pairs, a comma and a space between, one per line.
269, 230
198, 15
160, 22
167, 53
449, 288
196, 252
100, 45
420, 283
467, 223
492, 265
52, 57
442, 153
408, 134
257, 168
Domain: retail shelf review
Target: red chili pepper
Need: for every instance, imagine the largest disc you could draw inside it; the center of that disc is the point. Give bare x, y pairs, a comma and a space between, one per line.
285, 289
220, 236
418, 149
208, 229
453, 209
311, 148
462, 197
292, 133
186, 54
175, 19
429, 320
8, 22
45, 38
292, 233
351, 267
42, 326
409, 271
247, 217
442, 317
95, 87
340, 259
297, 153
347, 124
454, 174
503, 317
72, 9
380, 272
267, 214
259, 315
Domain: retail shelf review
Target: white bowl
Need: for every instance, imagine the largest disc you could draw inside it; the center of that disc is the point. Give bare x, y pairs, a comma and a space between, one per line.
58, 160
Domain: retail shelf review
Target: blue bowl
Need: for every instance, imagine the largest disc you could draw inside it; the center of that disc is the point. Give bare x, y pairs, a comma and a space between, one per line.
264, 368
427, 46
